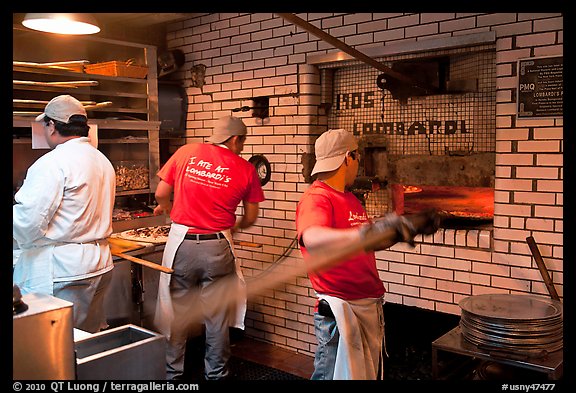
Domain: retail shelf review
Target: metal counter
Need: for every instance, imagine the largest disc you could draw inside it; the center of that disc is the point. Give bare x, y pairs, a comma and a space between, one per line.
42, 344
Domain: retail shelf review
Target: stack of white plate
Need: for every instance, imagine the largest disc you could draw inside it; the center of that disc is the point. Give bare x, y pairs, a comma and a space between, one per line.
524, 323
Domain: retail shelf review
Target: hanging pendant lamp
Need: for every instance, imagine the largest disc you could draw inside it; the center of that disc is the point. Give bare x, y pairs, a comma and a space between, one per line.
74, 24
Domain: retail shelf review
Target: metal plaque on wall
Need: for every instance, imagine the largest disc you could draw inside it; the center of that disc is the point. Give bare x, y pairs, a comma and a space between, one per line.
540, 87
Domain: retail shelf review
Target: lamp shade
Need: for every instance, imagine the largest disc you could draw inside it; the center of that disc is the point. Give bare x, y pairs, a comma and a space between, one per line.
62, 23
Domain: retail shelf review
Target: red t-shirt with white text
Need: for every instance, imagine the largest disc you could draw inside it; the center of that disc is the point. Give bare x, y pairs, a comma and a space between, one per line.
209, 183
353, 278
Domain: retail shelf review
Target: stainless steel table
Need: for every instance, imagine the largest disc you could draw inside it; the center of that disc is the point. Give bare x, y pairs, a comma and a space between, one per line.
453, 342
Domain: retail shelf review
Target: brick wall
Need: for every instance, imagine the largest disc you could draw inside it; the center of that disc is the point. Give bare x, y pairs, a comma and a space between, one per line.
251, 55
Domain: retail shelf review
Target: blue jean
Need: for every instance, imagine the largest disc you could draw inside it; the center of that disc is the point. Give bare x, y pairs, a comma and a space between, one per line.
327, 336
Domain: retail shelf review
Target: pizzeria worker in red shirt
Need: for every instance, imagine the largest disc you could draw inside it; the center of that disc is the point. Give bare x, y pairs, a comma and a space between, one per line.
348, 316
208, 182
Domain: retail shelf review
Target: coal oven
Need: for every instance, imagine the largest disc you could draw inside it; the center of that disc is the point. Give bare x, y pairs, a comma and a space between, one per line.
421, 149
460, 187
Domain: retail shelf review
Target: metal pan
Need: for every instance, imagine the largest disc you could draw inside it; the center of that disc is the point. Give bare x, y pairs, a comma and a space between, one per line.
512, 307
512, 322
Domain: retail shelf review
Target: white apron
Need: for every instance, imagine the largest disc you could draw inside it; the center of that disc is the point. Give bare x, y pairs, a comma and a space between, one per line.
34, 271
164, 311
361, 327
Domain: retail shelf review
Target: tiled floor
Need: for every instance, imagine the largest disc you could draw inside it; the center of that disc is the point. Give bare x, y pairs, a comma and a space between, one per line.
273, 356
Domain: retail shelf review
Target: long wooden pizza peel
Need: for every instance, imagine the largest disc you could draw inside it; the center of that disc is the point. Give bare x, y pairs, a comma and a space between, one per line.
119, 247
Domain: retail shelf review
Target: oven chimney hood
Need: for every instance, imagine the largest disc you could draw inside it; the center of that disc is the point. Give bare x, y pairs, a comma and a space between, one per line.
427, 76
428, 72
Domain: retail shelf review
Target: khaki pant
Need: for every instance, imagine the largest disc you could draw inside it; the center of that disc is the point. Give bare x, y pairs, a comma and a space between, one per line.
201, 278
87, 296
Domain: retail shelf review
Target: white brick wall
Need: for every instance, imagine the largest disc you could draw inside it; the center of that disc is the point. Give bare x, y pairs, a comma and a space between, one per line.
250, 55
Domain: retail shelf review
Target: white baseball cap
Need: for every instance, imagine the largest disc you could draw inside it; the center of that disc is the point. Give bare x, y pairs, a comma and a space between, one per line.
331, 148
63, 107
227, 127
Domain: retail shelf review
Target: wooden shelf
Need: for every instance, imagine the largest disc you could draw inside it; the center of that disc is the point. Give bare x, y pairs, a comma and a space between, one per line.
76, 75
130, 124
27, 141
24, 121
133, 192
79, 91
123, 140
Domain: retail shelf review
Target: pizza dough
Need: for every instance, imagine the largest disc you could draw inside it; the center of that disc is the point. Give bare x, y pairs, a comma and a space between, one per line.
154, 234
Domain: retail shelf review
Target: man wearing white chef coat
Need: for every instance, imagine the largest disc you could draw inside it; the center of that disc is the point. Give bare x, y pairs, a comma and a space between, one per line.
62, 216
208, 181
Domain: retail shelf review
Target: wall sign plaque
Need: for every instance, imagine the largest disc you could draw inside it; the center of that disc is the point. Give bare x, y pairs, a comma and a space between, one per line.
540, 87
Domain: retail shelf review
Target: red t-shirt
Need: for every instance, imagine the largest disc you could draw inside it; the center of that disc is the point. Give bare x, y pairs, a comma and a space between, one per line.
354, 278
209, 183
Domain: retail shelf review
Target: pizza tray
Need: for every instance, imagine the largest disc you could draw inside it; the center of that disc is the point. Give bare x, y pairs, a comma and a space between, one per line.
512, 322
510, 307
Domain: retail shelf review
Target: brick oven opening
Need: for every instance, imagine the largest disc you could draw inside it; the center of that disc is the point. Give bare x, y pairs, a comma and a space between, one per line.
460, 207
422, 151
460, 187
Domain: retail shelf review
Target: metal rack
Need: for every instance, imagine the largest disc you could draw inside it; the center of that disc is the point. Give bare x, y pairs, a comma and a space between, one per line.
462, 351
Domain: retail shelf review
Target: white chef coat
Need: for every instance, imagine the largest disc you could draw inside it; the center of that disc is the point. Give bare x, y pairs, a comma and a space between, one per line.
164, 311
62, 216
361, 327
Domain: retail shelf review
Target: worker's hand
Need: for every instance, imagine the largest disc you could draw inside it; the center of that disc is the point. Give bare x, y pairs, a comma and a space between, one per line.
429, 221
404, 229
160, 209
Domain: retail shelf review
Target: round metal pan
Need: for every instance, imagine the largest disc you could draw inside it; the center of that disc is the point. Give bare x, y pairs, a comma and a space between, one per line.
552, 323
514, 348
522, 345
512, 322
512, 337
509, 307
519, 337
